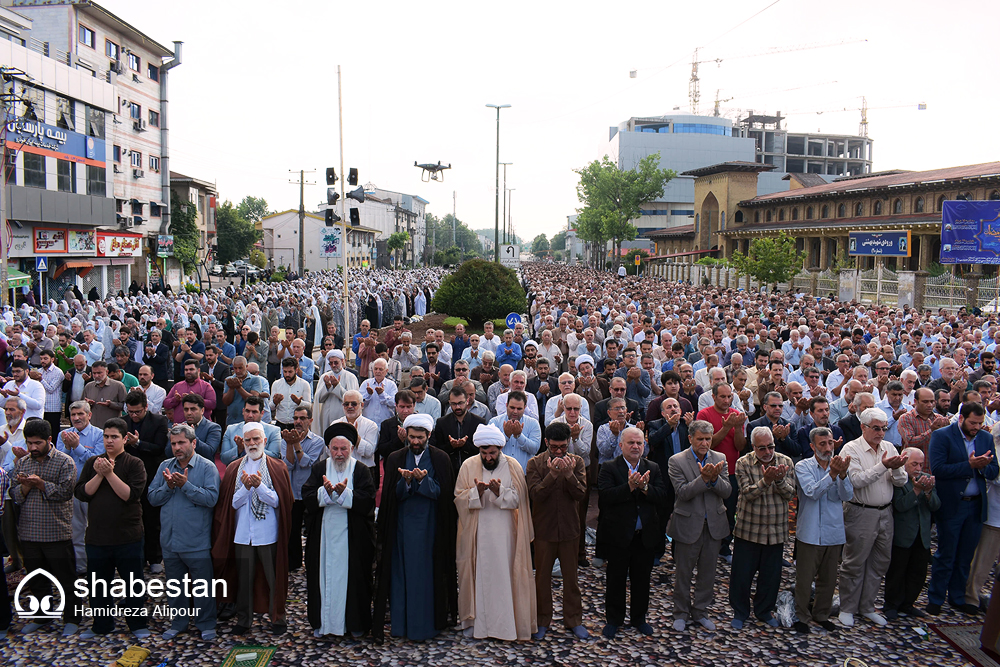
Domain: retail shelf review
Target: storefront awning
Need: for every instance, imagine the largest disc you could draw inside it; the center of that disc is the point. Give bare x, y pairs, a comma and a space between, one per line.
82, 267
17, 279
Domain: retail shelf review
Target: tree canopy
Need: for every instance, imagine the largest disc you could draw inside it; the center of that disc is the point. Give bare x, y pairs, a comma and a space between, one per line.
558, 242
397, 241
236, 234
184, 228
540, 245
611, 198
479, 290
439, 235
253, 209
769, 260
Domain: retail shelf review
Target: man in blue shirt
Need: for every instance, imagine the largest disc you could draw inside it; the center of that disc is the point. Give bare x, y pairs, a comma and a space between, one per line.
228, 349
82, 441
823, 488
508, 352
186, 489
232, 439
240, 386
524, 435
301, 448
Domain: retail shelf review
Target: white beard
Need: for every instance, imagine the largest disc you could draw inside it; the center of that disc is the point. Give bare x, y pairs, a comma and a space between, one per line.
255, 453
340, 466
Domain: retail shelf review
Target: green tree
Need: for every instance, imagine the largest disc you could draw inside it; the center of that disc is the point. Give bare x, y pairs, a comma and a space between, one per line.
540, 245
439, 234
184, 228
630, 267
253, 209
611, 198
770, 260
558, 242
448, 256
397, 241
236, 234
479, 290
257, 258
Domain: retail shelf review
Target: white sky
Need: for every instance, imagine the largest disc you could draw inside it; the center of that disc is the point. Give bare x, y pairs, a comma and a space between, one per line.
257, 92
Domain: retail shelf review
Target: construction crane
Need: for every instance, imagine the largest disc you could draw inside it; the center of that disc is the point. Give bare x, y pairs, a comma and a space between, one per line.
718, 101
694, 83
864, 108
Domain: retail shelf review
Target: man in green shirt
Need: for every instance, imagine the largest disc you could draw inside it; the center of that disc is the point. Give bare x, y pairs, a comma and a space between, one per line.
64, 352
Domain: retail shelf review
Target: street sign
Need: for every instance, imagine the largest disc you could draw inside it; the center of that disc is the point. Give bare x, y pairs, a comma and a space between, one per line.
637, 260
41, 264
512, 319
510, 256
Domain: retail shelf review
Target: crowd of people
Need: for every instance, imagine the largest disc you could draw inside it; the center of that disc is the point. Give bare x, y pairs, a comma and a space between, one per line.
426, 480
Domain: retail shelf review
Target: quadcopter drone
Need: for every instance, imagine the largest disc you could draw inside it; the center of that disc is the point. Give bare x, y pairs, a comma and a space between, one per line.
432, 172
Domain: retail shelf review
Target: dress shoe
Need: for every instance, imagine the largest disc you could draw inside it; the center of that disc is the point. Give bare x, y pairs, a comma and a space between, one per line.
610, 631
707, 624
933, 609
969, 609
847, 620
644, 628
580, 632
278, 628
828, 625
913, 612
540, 634
240, 630
801, 627
875, 617
226, 611
891, 614
736, 624
680, 625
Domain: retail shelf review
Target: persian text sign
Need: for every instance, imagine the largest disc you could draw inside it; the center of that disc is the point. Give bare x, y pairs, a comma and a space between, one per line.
119, 245
894, 243
970, 232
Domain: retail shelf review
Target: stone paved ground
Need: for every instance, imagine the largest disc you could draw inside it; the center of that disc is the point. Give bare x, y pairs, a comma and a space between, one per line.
756, 645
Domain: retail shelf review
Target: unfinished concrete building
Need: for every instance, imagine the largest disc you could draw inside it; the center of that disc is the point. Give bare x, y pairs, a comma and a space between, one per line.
806, 153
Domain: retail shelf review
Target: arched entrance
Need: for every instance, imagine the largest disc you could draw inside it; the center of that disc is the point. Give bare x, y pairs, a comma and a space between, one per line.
709, 221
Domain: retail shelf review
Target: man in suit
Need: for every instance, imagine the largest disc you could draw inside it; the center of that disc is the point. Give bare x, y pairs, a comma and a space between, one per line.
668, 436
215, 373
148, 440
851, 424
453, 432
961, 457
629, 530
699, 478
617, 388
783, 431
543, 386
77, 378
436, 373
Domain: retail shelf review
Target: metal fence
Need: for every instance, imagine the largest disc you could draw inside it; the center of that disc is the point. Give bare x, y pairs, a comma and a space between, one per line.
945, 291
878, 286
828, 282
989, 294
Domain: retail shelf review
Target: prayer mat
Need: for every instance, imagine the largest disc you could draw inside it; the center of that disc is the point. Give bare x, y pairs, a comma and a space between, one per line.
261, 656
965, 639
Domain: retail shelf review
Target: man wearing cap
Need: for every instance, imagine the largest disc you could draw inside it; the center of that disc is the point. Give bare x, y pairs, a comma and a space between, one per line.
251, 528
328, 405
416, 538
495, 583
340, 513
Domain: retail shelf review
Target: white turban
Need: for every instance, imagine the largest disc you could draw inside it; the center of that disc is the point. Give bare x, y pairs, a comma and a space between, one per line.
487, 435
335, 353
415, 420
531, 343
584, 359
252, 426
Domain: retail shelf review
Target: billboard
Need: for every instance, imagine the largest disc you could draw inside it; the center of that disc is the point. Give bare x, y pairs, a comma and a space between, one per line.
970, 232
894, 243
329, 242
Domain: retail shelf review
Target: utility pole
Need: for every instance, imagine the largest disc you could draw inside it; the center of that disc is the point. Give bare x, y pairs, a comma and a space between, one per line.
496, 223
454, 220
510, 214
302, 216
343, 223
505, 165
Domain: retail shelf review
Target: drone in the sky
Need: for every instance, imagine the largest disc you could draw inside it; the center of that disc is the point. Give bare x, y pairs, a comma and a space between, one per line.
432, 172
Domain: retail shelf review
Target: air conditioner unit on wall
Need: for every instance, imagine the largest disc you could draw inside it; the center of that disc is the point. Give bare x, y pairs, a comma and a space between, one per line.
139, 125
138, 173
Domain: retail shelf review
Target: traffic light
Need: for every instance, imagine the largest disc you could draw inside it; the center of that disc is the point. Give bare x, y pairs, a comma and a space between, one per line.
331, 176
352, 176
355, 218
331, 218
332, 196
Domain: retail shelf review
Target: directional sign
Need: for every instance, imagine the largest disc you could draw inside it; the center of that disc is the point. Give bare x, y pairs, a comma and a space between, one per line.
512, 319
41, 264
637, 260
510, 256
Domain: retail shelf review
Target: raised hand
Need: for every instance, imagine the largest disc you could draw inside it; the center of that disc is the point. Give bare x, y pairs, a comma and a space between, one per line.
494, 486
328, 485
419, 474
897, 461
481, 486
689, 417
980, 462
405, 474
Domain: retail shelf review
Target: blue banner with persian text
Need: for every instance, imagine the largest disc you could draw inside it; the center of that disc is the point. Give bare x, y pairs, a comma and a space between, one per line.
970, 232
894, 243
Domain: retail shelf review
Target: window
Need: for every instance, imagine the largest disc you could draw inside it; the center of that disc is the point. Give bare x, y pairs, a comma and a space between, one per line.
877, 207
118, 153
153, 72
781, 215
824, 212
10, 167
859, 210
133, 62
66, 172
700, 128
154, 210
809, 213
136, 159
96, 181
154, 163
119, 205
842, 211
135, 111
795, 214
31, 104
86, 36
767, 216
111, 49
65, 113
95, 122
756, 216
918, 205
738, 218
897, 206
154, 118
34, 170
940, 203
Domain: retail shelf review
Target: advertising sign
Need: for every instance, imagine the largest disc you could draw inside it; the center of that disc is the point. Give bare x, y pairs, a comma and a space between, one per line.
164, 245
119, 245
970, 232
329, 242
83, 242
49, 240
55, 141
886, 244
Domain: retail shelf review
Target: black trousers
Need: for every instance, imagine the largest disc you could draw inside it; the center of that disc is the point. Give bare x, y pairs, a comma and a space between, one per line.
730, 504
151, 531
59, 560
633, 564
295, 536
906, 576
749, 559
53, 418
102, 561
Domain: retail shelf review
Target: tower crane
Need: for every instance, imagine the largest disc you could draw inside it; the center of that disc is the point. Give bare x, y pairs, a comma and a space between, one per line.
864, 108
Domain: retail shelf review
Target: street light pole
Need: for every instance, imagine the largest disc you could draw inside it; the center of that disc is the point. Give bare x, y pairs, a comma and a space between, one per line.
505, 165
496, 223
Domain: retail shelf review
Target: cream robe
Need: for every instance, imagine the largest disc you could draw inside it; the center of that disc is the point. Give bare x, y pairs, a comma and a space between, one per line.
497, 600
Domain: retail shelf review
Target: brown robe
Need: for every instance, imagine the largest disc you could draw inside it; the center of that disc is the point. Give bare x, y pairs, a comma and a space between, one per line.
224, 534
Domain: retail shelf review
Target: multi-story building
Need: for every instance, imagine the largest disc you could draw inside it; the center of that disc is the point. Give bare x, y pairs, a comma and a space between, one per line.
406, 215
90, 39
203, 196
58, 197
806, 153
281, 242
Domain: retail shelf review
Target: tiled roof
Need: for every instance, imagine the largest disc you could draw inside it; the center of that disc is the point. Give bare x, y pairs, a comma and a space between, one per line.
723, 167
670, 231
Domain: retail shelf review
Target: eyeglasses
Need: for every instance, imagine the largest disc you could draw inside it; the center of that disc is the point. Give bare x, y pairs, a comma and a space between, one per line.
877, 429
350, 404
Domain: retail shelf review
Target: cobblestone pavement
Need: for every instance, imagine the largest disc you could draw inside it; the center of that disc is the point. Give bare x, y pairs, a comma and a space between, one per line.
897, 644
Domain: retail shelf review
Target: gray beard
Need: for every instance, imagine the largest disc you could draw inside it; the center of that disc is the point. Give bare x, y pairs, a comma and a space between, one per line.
340, 466
822, 457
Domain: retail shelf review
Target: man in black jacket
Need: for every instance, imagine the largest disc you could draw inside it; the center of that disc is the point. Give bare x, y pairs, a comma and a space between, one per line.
617, 388
76, 379
851, 424
453, 432
543, 386
215, 373
668, 436
436, 373
630, 530
148, 440
782, 430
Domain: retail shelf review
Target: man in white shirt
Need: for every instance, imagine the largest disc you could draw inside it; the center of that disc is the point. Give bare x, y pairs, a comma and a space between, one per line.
287, 393
24, 387
91, 348
444, 349
154, 393
379, 393
489, 341
518, 382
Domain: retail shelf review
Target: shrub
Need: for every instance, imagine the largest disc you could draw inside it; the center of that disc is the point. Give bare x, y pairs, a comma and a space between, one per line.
454, 321
277, 278
191, 287
499, 324
479, 290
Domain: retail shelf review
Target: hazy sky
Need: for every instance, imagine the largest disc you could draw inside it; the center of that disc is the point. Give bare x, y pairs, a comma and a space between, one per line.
256, 95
